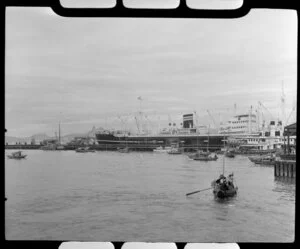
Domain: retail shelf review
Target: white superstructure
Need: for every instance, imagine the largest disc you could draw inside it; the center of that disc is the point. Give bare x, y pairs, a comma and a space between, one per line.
240, 124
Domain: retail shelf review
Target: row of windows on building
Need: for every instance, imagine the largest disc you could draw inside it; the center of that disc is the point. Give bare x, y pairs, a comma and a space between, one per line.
268, 134
255, 140
239, 127
243, 121
264, 140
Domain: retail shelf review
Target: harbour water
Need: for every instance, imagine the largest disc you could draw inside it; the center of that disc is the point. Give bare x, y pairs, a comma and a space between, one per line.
141, 196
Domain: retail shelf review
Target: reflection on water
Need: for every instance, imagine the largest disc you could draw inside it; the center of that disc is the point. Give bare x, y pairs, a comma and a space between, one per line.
285, 180
109, 196
286, 187
226, 201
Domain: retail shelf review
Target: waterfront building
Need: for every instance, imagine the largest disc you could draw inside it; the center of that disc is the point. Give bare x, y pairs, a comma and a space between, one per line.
290, 138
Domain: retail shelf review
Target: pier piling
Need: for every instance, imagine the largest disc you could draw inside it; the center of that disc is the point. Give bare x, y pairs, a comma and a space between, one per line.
285, 169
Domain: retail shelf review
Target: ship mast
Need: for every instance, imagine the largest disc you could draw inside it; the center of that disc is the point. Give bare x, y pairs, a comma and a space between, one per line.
224, 156
283, 106
207, 137
59, 132
197, 124
250, 126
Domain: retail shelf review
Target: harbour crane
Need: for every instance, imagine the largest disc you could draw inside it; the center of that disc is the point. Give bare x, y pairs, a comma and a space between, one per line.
148, 124
212, 118
283, 104
123, 121
234, 109
271, 115
137, 124
294, 108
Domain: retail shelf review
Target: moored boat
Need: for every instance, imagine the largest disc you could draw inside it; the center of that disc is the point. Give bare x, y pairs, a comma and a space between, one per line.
161, 149
123, 150
265, 161
174, 151
229, 154
60, 147
84, 150
16, 155
49, 147
253, 158
203, 156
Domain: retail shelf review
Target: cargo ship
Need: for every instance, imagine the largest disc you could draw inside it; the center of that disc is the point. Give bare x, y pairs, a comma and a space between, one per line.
188, 136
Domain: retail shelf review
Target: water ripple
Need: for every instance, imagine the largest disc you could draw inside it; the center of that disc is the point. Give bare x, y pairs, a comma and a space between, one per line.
141, 197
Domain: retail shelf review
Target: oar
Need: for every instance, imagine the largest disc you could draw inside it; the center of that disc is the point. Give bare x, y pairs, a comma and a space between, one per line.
197, 191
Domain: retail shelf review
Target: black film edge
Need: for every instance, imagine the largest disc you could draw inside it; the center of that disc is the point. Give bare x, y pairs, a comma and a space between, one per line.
182, 11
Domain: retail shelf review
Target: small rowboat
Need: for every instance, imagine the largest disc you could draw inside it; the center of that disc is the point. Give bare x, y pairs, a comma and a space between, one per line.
219, 193
223, 188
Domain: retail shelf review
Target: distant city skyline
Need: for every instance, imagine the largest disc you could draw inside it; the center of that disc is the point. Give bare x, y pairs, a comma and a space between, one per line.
86, 72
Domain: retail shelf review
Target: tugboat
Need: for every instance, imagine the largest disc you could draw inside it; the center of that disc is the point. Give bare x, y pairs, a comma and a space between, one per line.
16, 155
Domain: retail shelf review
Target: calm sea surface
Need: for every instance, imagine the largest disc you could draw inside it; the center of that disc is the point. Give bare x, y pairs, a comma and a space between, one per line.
140, 196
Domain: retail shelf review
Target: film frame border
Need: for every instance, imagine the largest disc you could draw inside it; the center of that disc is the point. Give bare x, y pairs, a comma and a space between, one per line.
120, 11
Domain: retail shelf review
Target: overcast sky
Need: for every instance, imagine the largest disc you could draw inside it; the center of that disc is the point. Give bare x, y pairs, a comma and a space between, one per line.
86, 71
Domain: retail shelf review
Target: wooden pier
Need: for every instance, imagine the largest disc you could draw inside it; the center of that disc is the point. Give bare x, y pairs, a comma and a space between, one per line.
285, 168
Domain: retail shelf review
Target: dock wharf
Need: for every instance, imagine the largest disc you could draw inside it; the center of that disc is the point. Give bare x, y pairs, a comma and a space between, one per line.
22, 147
103, 147
285, 168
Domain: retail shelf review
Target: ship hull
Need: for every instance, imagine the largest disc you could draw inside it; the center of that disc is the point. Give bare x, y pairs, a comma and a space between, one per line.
221, 194
186, 141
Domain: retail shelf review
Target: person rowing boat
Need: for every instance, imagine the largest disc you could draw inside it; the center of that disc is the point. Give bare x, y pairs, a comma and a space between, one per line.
224, 186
